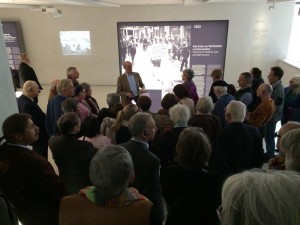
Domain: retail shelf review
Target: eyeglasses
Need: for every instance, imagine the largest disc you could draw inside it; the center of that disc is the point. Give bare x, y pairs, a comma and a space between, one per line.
277, 135
220, 212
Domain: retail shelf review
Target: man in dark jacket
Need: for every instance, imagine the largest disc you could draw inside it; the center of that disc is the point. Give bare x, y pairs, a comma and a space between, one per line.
239, 146
146, 165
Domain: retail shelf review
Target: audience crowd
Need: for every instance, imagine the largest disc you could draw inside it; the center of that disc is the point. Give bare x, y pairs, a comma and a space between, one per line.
202, 155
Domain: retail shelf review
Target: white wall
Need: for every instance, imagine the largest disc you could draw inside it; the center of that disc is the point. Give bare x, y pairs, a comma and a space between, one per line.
290, 69
8, 103
256, 37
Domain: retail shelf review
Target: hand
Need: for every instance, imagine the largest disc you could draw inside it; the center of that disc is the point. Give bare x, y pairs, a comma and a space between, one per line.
129, 95
142, 91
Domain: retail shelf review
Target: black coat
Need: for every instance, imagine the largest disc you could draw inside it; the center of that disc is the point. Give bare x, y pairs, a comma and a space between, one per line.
27, 73
72, 157
237, 148
26, 105
146, 169
30, 183
192, 195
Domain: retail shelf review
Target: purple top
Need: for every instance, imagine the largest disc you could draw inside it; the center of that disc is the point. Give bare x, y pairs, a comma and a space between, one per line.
192, 89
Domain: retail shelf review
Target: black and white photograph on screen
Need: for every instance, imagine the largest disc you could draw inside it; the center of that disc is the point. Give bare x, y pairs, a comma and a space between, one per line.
160, 51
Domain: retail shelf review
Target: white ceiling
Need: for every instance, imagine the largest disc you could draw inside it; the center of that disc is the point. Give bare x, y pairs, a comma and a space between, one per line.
116, 3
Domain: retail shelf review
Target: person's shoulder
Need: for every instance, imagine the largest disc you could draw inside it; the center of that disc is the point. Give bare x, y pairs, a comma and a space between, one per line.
211, 176
22, 99
135, 74
252, 129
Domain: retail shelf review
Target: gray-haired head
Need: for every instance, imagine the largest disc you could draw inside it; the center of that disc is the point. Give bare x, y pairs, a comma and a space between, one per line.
112, 99
205, 105
69, 123
267, 88
70, 70
193, 148
139, 123
63, 84
290, 144
69, 105
248, 77
53, 84
180, 114
295, 84
189, 73
261, 198
110, 171
85, 86
235, 111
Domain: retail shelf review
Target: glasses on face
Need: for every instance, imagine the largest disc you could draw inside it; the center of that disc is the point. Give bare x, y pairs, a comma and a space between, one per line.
276, 134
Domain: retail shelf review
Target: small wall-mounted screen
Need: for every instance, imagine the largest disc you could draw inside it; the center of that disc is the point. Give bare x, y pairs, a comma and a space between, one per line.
75, 42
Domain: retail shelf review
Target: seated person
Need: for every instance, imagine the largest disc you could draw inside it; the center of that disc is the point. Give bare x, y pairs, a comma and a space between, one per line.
72, 156
27, 179
211, 124
256, 197
110, 200
191, 192
90, 129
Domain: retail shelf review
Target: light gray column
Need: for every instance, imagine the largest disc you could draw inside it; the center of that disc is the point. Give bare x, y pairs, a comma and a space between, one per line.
8, 103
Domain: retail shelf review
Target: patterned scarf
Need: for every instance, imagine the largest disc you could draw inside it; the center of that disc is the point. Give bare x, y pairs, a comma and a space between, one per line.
129, 196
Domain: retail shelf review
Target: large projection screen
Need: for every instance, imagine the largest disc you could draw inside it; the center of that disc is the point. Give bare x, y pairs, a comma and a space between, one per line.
161, 50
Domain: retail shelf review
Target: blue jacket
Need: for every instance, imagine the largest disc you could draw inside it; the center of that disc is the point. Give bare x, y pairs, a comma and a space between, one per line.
220, 108
54, 111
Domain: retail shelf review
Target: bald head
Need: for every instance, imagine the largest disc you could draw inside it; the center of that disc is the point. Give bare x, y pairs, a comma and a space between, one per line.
264, 91
30, 89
